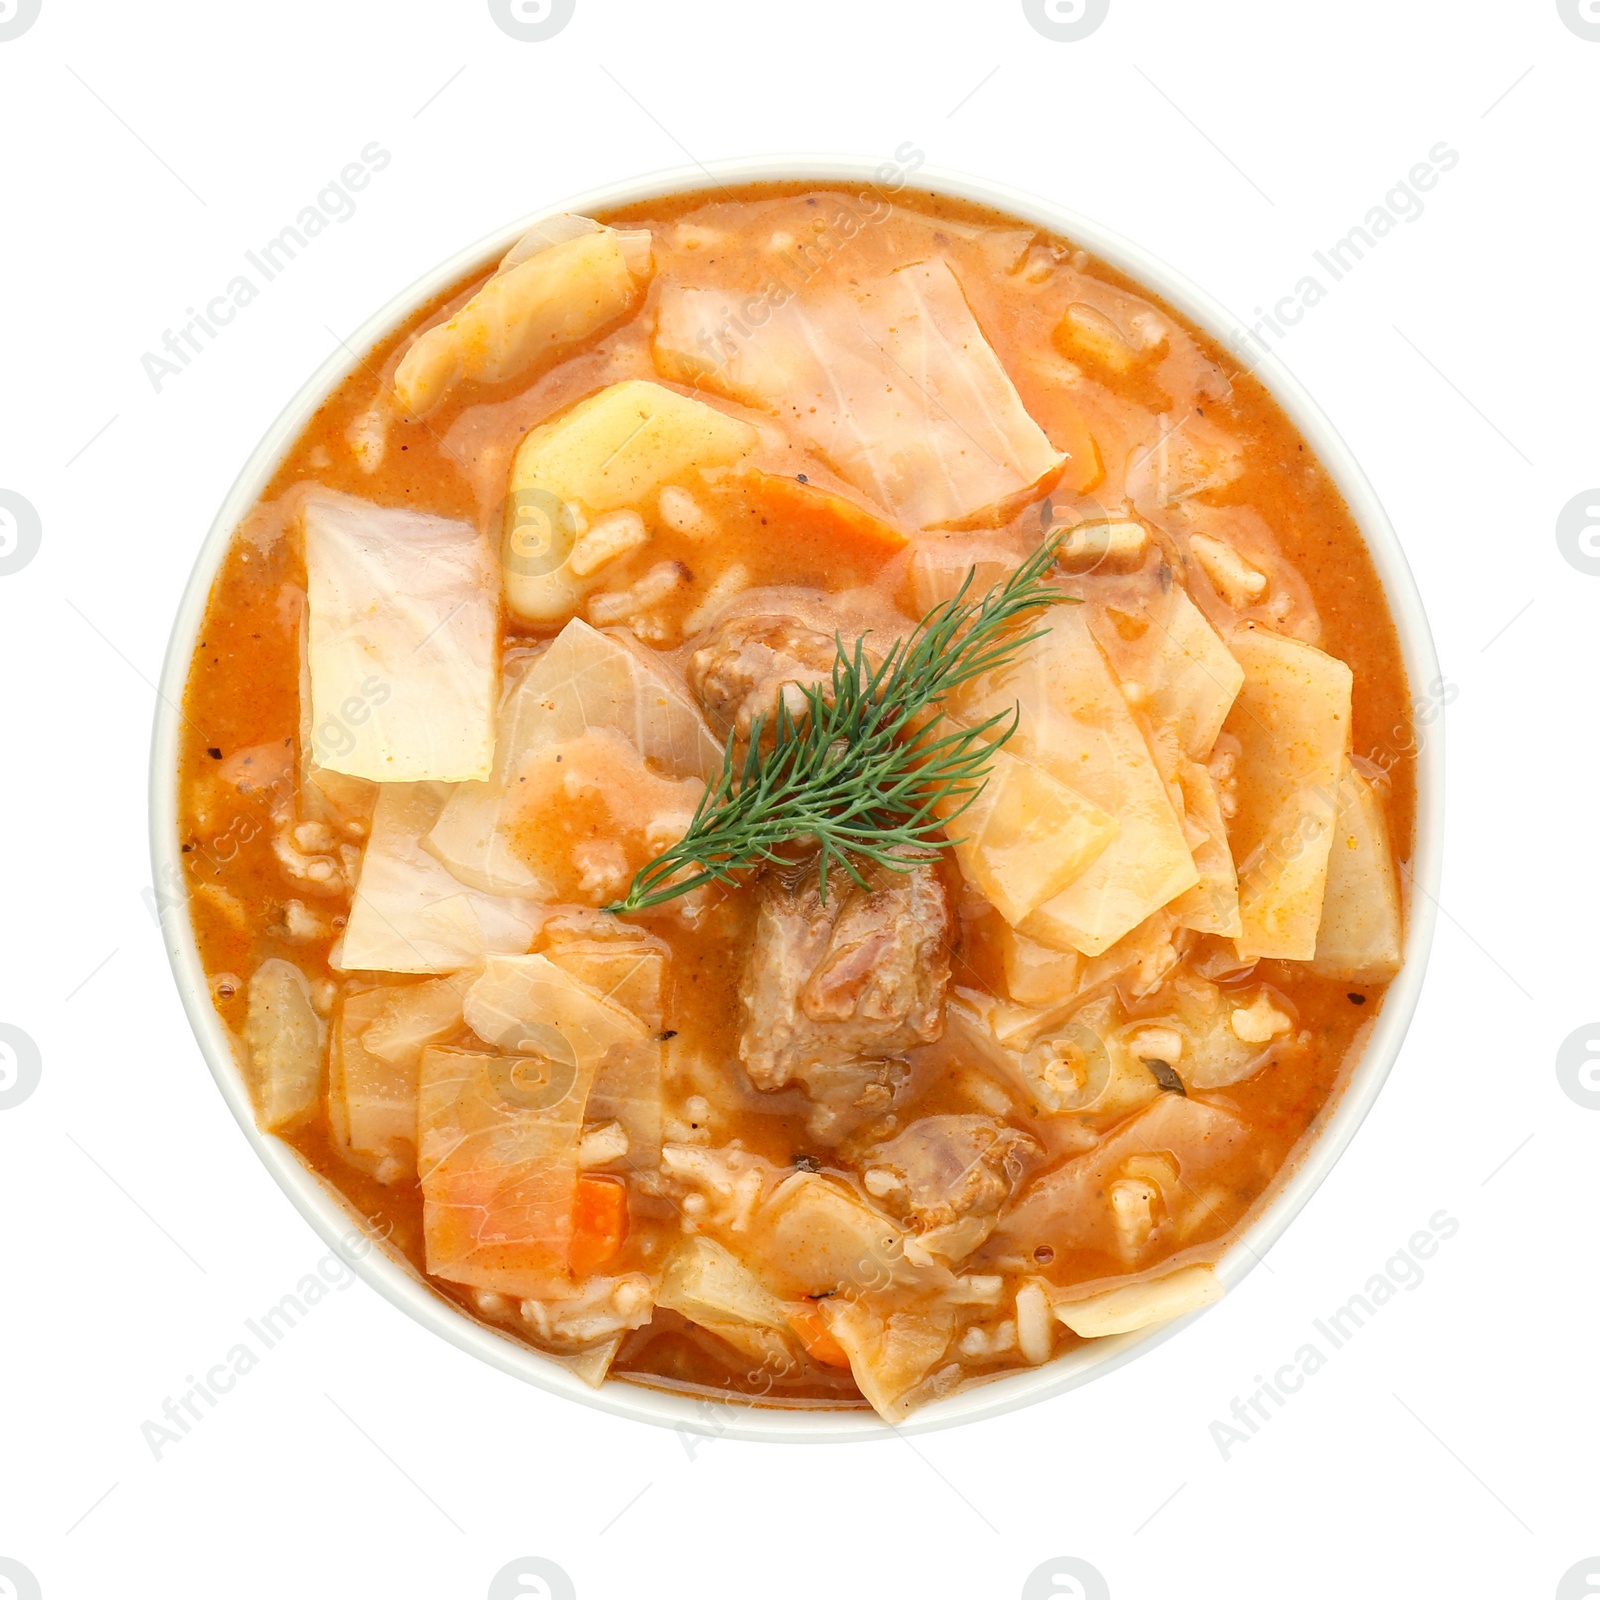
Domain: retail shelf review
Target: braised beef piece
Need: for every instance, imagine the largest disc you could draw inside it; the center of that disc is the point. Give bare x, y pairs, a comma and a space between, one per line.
740, 672
835, 990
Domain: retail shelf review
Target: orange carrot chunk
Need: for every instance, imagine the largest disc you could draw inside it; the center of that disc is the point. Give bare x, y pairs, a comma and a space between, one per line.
819, 1343
810, 512
599, 1224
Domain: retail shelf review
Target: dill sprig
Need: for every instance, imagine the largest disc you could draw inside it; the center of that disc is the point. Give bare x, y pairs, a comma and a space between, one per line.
865, 769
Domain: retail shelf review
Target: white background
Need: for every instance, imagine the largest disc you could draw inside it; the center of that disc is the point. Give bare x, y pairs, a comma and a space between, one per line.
1447, 1448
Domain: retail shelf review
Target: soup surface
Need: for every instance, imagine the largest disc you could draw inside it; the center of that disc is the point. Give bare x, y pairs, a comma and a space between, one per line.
692, 550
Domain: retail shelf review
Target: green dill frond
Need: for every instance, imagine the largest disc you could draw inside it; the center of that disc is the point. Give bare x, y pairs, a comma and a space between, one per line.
870, 769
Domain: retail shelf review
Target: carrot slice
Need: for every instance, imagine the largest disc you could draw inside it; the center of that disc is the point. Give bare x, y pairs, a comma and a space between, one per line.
820, 1344
1066, 429
817, 515
599, 1223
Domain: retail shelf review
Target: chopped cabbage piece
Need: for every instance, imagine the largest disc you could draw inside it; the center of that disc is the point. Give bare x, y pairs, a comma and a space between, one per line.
586, 681
1212, 906
283, 1040
372, 1071
499, 1133
325, 795
404, 641
588, 814
592, 1364
529, 1003
497, 1152
1215, 1053
1140, 1305
1292, 721
374, 1091
815, 1238
1026, 837
565, 279
414, 1016
627, 1088
890, 1353
1076, 724
1193, 678
1358, 939
612, 452
710, 1285
630, 973
1071, 1207
891, 381
409, 914
1067, 1059
1190, 458
626, 1085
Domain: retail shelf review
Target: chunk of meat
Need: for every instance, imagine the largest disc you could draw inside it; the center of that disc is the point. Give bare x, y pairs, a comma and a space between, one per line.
836, 988
749, 662
944, 1168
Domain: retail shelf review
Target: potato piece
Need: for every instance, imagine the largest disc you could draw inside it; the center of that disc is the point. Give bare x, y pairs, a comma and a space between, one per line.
283, 1039
1141, 1305
526, 316
1359, 937
1193, 679
1077, 726
1292, 721
710, 1285
614, 451
1026, 837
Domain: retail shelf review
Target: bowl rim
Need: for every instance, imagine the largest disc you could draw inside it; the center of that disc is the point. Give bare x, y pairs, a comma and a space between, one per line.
692, 1416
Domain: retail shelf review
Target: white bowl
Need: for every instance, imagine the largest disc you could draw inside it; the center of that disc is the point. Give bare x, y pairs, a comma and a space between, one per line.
393, 1278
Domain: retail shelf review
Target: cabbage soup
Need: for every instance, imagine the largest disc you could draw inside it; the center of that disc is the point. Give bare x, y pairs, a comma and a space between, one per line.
802, 796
